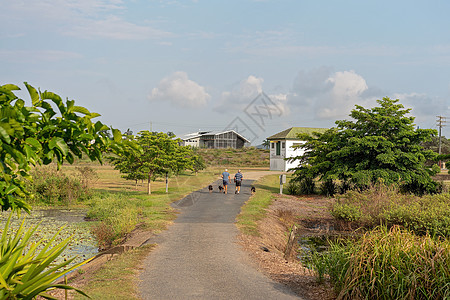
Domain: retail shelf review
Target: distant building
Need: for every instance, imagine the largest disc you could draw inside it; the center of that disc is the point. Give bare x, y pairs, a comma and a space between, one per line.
281, 147
215, 139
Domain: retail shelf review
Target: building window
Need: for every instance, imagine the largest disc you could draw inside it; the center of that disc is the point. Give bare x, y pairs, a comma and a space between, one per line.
283, 145
273, 145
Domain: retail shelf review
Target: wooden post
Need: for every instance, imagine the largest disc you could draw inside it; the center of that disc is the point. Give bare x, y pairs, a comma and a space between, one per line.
290, 242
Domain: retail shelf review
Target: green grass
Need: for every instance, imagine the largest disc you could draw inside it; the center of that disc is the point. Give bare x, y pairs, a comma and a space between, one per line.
116, 278
255, 208
119, 212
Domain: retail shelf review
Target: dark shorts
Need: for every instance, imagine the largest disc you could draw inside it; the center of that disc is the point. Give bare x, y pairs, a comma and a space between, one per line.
238, 183
225, 182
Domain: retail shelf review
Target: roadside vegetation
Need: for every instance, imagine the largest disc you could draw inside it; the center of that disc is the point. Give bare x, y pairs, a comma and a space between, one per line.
399, 216
48, 130
254, 209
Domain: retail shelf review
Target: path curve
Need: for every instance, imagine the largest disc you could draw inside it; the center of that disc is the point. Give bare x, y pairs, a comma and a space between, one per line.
198, 257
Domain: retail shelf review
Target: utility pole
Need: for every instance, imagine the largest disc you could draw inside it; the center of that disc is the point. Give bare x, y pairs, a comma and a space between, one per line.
440, 123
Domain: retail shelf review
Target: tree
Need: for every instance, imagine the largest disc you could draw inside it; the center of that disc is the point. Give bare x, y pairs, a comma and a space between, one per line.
380, 143
150, 155
36, 134
29, 136
266, 144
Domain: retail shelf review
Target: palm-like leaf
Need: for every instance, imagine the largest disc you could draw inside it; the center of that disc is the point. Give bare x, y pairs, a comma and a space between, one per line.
31, 273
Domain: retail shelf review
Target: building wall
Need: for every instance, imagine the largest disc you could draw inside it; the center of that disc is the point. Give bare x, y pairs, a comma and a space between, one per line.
281, 149
192, 142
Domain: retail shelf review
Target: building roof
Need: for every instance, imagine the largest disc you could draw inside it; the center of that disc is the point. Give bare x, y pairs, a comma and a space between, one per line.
292, 133
202, 133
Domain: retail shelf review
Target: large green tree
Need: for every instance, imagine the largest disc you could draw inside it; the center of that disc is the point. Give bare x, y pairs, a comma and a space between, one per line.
49, 129
379, 143
151, 154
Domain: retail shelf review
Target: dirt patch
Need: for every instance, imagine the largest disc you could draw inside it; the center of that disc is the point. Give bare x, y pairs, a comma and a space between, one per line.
268, 249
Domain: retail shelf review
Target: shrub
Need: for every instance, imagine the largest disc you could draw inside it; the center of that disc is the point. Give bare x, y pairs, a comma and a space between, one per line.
388, 264
51, 186
382, 204
307, 186
293, 188
346, 212
328, 188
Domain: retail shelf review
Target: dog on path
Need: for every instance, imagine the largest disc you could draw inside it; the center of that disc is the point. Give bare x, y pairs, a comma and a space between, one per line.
220, 188
210, 188
253, 190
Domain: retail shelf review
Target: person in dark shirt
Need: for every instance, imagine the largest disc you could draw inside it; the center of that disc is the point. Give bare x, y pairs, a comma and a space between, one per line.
238, 180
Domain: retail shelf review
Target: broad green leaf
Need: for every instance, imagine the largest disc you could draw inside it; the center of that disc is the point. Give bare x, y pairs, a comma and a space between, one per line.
33, 94
60, 144
95, 115
4, 134
81, 110
11, 87
117, 135
34, 143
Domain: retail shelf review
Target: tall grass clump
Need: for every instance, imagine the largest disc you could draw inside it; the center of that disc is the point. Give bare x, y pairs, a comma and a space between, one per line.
383, 204
54, 187
388, 264
115, 216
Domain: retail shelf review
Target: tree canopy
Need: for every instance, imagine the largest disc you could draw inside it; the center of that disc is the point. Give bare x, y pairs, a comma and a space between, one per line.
151, 154
47, 130
379, 143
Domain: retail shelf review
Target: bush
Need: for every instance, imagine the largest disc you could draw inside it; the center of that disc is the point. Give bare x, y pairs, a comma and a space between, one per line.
307, 186
293, 188
388, 264
51, 186
328, 188
385, 205
346, 212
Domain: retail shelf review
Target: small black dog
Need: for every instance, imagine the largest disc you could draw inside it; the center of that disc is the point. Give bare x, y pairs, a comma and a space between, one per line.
253, 190
210, 188
220, 188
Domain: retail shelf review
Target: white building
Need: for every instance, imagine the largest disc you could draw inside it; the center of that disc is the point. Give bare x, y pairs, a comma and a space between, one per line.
281, 147
215, 139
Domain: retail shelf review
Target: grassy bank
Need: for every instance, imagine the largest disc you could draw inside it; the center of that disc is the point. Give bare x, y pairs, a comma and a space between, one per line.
255, 208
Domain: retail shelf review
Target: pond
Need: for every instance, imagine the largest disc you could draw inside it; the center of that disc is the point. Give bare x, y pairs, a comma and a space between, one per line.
82, 243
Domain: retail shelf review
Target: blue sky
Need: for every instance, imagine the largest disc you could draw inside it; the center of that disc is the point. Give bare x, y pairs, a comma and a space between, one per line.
186, 65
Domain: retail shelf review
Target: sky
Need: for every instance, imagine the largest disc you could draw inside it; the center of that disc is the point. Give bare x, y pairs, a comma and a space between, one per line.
255, 66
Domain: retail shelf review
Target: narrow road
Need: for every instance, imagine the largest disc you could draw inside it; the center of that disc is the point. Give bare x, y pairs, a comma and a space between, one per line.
198, 258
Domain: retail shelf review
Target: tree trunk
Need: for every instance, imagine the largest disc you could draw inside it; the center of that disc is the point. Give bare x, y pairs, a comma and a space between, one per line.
167, 182
149, 190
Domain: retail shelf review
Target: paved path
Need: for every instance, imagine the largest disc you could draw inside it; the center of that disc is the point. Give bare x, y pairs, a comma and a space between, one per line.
198, 258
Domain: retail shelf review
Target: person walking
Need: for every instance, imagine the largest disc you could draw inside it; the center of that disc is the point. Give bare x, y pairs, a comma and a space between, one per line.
225, 180
238, 180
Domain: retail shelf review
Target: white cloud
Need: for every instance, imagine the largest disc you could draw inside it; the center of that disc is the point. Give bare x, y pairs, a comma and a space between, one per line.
247, 90
347, 90
330, 95
180, 91
241, 94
